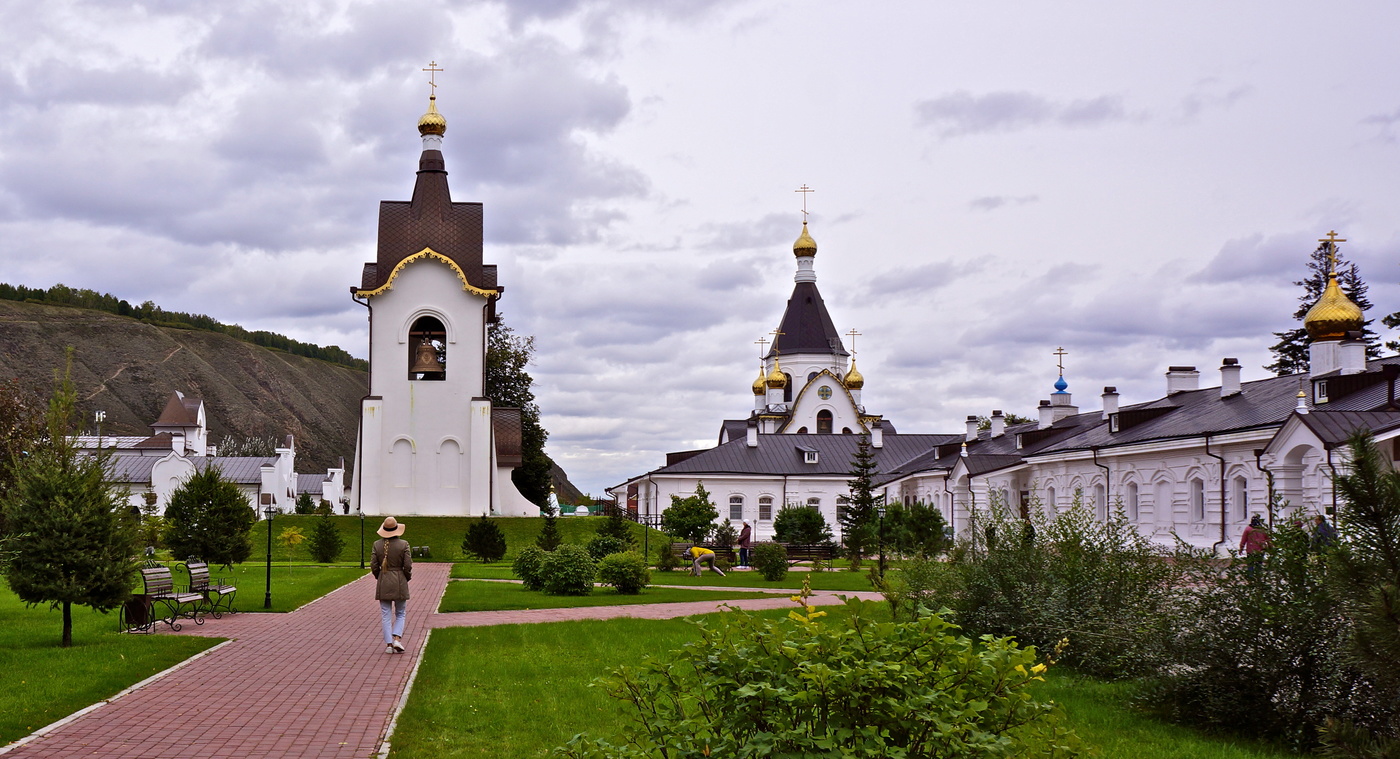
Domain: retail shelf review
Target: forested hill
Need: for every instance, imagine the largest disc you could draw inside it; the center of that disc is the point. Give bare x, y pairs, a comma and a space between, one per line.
150, 313
128, 368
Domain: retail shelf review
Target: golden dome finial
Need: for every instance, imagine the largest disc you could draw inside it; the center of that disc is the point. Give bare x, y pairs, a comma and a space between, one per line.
1334, 315
760, 385
805, 245
776, 379
432, 122
854, 379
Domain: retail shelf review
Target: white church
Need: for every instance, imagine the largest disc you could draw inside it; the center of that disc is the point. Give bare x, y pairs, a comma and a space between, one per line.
1194, 464
429, 441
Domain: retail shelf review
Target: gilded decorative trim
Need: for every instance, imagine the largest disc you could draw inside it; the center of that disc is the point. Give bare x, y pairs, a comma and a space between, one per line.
862, 420
428, 253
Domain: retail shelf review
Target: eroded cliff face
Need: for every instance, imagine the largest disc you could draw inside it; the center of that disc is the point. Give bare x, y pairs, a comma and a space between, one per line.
129, 369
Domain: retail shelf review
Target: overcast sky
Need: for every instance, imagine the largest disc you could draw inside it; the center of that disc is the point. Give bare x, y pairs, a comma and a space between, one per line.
1137, 184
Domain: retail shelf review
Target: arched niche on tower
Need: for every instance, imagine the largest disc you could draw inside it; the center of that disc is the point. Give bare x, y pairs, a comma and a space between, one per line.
824, 422
427, 349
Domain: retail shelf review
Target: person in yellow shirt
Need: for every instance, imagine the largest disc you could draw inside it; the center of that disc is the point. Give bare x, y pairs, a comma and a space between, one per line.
701, 555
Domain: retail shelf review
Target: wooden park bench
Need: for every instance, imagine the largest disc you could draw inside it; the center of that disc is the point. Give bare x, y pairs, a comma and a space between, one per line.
797, 552
218, 595
421, 552
682, 551
160, 588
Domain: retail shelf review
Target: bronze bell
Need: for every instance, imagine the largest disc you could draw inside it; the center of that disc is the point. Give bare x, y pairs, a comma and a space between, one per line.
426, 359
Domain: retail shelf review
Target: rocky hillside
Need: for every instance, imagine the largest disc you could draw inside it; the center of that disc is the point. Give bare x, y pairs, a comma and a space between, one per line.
129, 369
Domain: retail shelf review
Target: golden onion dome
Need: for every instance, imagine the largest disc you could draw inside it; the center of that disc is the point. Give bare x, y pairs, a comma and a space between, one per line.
776, 380
805, 245
760, 385
1333, 315
432, 122
854, 379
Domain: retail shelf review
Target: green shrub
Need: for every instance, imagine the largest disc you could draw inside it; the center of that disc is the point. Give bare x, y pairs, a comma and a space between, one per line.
666, 561
920, 583
801, 686
691, 518
528, 565
326, 542
604, 545
568, 571
725, 536
485, 540
625, 571
549, 538
801, 525
304, 504
770, 559
617, 526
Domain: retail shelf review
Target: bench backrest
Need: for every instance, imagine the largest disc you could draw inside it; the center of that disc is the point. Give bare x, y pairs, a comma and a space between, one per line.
199, 576
157, 580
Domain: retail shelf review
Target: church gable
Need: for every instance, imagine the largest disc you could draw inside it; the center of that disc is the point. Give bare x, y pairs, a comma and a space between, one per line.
824, 406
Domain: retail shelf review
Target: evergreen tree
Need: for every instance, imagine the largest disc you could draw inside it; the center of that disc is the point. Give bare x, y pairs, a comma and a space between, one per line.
691, 518
209, 518
1291, 350
326, 541
485, 540
21, 427
860, 517
304, 504
549, 538
76, 539
616, 526
509, 384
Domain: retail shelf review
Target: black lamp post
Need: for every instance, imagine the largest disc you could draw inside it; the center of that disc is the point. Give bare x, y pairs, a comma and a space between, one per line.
361, 509
881, 511
267, 598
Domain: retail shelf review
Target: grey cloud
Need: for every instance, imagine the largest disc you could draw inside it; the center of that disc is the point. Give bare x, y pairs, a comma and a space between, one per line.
50, 83
1385, 124
993, 202
770, 231
920, 280
962, 112
1207, 96
1256, 258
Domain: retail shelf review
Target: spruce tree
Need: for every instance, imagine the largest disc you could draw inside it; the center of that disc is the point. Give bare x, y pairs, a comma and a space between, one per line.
1291, 350
860, 518
616, 526
549, 538
208, 518
326, 541
485, 540
76, 538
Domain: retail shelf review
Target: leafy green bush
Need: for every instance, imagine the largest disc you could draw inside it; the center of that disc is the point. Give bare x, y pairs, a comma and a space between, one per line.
920, 583
801, 525
770, 559
326, 542
568, 571
665, 560
691, 518
485, 540
627, 572
604, 545
528, 567
799, 686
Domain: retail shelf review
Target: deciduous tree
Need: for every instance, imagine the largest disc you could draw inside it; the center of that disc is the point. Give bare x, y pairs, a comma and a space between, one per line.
691, 518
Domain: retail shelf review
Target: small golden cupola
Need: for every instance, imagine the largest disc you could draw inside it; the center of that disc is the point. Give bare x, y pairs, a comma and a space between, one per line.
854, 379
1334, 315
432, 122
760, 385
776, 380
804, 245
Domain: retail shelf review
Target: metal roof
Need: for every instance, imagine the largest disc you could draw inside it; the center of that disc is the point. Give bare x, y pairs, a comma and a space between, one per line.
779, 455
806, 325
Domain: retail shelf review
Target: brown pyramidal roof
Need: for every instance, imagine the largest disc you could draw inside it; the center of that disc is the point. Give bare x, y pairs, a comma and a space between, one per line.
179, 411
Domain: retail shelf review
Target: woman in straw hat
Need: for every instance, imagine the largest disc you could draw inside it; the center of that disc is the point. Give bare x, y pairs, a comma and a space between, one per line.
393, 568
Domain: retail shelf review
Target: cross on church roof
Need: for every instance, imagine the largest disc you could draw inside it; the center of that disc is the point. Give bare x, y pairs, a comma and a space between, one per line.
853, 334
804, 189
762, 343
1060, 354
433, 71
1331, 241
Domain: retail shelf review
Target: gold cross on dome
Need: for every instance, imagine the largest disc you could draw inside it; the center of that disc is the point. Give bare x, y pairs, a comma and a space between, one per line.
776, 334
1331, 240
853, 334
762, 343
1060, 354
433, 71
804, 189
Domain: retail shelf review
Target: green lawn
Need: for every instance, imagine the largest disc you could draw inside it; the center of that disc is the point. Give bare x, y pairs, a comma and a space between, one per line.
473, 570
520, 690
501, 596
40, 682
292, 587
442, 534
793, 581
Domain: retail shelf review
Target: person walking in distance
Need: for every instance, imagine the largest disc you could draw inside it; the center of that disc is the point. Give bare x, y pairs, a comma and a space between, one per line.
1254, 542
745, 541
392, 566
701, 555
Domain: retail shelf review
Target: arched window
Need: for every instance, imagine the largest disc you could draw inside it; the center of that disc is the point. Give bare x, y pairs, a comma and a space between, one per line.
1198, 500
736, 508
765, 507
846, 431
787, 388
814, 503
1240, 499
811, 376
1163, 508
824, 422
1130, 501
842, 504
1050, 505
427, 349
1100, 503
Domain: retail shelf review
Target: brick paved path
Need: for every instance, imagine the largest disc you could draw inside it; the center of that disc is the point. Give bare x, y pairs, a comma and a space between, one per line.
311, 684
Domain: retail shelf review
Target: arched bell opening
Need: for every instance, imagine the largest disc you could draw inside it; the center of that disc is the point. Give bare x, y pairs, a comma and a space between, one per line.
427, 350
824, 420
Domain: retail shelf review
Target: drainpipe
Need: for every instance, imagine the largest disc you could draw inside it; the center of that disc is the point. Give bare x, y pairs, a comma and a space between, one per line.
1107, 492
784, 506
1333, 467
1269, 477
1215, 549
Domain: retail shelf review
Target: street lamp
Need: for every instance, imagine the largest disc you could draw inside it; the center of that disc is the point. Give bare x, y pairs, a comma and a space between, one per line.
361, 509
267, 598
881, 511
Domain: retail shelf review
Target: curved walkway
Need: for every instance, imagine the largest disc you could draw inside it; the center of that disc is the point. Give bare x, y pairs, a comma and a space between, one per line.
314, 683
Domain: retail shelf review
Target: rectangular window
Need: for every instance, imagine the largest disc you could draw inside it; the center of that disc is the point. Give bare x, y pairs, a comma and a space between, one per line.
765, 508
809, 457
736, 508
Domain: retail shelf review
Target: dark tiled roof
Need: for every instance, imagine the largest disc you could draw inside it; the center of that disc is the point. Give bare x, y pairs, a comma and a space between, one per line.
806, 326
244, 470
781, 455
131, 468
983, 463
737, 429
310, 483
1334, 427
505, 422
429, 220
179, 412
159, 440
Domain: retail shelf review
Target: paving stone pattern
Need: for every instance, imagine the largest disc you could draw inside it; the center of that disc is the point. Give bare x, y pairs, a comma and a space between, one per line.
311, 684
